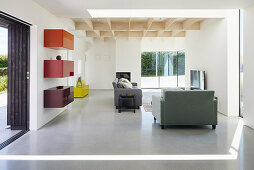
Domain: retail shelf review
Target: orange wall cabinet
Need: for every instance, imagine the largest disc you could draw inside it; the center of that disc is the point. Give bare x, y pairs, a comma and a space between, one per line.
58, 39
58, 68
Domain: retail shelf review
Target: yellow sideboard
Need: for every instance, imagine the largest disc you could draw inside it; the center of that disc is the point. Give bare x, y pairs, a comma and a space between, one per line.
81, 91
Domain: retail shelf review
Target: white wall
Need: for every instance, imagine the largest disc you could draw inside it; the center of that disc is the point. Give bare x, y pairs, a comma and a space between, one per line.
207, 50
100, 63
128, 57
248, 94
215, 49
163, 44
31, 12
233, 62
105, 58
79, 53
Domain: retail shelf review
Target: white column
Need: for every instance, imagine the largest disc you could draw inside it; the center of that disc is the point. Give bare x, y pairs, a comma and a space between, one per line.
233, 42
33, 78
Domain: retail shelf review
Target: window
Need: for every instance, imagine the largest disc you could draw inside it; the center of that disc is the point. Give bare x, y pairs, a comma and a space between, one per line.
163, 69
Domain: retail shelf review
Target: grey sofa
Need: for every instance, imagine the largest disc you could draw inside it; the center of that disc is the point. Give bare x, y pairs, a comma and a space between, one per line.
135, 90
185, 107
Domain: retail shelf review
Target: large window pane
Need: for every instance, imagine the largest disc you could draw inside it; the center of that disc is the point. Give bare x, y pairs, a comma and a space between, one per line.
148, 64
163, 69
168, 69
181, 68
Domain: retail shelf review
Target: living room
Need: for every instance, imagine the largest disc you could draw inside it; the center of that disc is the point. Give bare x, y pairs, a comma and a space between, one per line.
202, 128
124, 55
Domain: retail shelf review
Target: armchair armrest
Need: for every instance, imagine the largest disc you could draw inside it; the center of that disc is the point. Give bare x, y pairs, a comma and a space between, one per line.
156, 106
215, 108
215, 105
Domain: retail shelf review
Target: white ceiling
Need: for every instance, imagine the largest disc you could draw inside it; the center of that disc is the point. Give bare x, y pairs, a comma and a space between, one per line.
77, 8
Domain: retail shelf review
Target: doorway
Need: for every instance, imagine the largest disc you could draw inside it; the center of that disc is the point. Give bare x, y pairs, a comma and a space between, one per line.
14, 75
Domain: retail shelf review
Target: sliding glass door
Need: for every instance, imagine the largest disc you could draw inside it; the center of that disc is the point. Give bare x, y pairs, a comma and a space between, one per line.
163, 69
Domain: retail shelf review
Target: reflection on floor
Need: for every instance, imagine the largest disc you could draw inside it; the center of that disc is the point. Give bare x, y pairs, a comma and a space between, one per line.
92, 126
5, 131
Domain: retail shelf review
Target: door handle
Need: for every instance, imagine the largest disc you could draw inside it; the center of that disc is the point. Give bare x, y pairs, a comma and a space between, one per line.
28, 75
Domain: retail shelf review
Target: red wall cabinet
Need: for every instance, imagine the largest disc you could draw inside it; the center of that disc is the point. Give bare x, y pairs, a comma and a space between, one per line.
58, 97
58, 39
58, 68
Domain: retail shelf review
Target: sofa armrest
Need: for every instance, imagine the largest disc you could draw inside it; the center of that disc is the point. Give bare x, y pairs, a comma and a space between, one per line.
128, 91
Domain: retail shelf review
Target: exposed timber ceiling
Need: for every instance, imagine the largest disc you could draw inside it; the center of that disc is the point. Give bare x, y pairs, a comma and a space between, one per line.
136, 27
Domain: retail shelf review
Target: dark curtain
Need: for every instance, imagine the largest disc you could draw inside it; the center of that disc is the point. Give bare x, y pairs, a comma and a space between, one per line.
18, 68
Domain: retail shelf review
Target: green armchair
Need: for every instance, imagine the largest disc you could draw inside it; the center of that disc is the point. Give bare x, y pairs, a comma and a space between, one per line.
185, 107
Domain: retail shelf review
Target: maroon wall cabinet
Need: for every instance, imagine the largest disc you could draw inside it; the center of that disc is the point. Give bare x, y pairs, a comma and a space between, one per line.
58, 97
58, 68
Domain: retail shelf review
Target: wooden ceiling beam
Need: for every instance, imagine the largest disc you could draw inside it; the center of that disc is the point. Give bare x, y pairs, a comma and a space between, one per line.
138, 26
106, 34
120, 26
82, 26
148, 25
135, 33
160, 33
168, 22
128, 27
151, 34
101, 26
109, 23
91, 34
190, 21
121, 34
89, 22
110, 26
176, 26
157, 26
129, 23
178, 33
195, 26
97, 33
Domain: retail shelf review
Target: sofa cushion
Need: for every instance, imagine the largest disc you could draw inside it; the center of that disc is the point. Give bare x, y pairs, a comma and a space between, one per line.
120, 84
127, 85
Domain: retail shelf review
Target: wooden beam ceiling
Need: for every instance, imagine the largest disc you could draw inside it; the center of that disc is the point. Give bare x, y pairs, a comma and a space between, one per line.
137, 27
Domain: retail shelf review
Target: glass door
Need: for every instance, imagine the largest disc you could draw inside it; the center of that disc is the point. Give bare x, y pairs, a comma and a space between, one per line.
167, 69
241, 65
163, 69
181, 68
149, 77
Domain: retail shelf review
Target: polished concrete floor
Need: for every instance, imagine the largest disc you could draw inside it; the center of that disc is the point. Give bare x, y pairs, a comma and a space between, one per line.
91, 126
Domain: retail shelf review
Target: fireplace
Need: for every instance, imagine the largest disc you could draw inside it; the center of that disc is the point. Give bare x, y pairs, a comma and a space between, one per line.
126, 75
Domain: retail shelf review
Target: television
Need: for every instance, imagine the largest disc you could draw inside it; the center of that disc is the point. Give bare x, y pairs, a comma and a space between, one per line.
197, 80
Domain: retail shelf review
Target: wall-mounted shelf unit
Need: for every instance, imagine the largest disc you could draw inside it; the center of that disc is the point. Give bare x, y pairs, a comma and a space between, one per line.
58, 97
58, 68
58, 39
